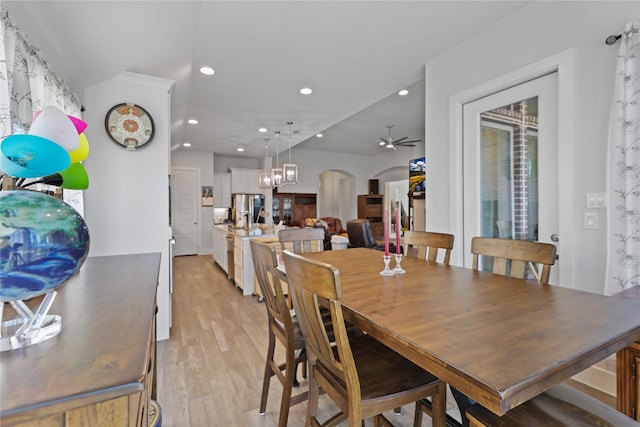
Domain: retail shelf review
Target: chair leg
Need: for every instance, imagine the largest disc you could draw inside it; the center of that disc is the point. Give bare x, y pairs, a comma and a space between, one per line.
417, 419
314, 394
289, 377
439, 406
268, 373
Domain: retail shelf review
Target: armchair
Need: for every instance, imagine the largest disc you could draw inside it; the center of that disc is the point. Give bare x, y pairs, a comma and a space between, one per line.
361, 236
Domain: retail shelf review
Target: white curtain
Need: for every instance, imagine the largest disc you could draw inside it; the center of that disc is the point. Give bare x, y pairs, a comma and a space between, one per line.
623, 187
27, 84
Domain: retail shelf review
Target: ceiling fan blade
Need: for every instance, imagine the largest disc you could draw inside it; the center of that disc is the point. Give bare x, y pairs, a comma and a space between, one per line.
384, 140
409, 142
399, 140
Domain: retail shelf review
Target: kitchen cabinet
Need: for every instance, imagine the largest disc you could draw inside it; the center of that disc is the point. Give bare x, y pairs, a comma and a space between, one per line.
99, 370
220, 247
293, 208
222, 190
245, 181
243, 265
628, 379
628, 370
371, 207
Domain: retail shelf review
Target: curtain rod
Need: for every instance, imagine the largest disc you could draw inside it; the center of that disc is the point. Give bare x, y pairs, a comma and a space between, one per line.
612, 39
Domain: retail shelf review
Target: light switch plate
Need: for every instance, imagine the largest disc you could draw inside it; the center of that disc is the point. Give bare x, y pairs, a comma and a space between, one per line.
591, 221
591, 200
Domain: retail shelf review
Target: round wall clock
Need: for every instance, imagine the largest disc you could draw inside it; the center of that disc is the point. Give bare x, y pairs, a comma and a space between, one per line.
129, 125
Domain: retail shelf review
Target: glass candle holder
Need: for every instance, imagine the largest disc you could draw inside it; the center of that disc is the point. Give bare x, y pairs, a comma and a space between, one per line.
398, 269
387, 271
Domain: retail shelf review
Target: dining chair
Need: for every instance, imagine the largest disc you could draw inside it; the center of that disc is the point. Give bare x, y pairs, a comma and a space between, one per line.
514, 258
360, 235
561, 405
362, 376
282, 327
428, 245
299, 240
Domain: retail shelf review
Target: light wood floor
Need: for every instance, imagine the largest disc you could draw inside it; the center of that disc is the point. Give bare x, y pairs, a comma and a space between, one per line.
210, 370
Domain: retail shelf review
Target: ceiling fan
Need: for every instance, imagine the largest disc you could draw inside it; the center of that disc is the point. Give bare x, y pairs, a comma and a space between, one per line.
389, 142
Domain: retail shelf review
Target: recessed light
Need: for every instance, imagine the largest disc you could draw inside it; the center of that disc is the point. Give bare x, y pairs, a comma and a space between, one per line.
319, 135
262, 130
192, 121
403, 92
207, 71
186, 144
305, 91
240, 149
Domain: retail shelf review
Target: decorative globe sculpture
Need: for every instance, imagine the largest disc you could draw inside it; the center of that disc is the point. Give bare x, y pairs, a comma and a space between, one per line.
43, 243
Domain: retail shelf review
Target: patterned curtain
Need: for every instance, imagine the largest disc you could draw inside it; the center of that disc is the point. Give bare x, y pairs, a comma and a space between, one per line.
27, 84
623, 187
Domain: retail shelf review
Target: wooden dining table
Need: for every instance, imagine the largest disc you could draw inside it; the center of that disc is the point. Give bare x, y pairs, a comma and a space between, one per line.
501, 341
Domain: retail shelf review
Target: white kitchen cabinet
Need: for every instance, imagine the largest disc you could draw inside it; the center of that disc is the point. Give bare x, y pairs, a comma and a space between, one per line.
220, 247
245, 181
243, 265
222, 190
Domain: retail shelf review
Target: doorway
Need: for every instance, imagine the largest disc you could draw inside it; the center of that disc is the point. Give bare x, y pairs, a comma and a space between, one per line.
184, 210
510, 165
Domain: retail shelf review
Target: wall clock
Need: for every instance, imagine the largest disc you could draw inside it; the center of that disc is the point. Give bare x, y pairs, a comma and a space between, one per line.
129, 125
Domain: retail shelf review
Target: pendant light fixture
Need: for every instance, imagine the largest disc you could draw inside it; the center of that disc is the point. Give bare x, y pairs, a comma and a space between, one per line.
264, 178
290, 170
277, 178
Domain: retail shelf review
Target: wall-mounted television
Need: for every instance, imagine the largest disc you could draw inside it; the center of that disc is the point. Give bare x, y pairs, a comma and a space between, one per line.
417, 176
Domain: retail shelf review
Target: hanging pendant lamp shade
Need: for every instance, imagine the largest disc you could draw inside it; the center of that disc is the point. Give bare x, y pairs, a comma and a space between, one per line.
264, 177
290, 170
277, 176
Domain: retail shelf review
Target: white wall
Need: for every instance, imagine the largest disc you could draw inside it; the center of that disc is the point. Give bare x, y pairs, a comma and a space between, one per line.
127, 202
334, 195
538, 31
202, 160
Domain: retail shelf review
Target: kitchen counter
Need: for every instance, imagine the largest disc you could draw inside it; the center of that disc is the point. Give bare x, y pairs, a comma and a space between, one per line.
242, 269
243, 232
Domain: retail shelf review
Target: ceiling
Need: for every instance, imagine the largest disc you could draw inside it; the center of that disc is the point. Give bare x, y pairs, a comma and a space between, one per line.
354, 55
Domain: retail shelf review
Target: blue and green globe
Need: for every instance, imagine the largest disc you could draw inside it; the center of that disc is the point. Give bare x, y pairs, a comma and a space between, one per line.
43, 242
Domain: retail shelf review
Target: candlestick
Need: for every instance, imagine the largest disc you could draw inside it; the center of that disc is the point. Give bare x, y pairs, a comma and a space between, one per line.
386, 232
387, 271
398, 227
399, 269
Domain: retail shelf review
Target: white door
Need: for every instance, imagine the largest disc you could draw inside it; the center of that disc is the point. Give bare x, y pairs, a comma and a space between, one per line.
510, 165
184, 205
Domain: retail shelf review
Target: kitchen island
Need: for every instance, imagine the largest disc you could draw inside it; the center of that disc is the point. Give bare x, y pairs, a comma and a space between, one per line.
243, 273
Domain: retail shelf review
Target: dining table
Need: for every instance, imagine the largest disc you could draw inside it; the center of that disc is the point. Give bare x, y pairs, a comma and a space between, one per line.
501, 341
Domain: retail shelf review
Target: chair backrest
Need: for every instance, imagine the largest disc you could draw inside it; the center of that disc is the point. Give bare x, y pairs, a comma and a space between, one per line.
311, 282
512, 257
265, 262
427, 245
301, 240
334, 224
360, 234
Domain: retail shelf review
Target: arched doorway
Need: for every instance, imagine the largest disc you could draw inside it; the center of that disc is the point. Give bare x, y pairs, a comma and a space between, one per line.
337, 195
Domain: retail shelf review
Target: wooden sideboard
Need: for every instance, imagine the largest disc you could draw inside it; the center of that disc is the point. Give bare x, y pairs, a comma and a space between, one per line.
628, 371
371, 207
99, 371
